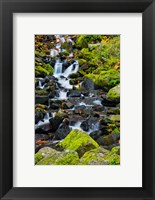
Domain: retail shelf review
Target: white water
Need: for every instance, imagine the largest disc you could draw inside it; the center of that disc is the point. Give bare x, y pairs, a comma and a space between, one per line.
45, 121
62, 95
93, 127
97, 102
40, 85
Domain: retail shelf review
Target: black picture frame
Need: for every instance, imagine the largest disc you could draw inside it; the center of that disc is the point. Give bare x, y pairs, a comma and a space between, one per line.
7, 8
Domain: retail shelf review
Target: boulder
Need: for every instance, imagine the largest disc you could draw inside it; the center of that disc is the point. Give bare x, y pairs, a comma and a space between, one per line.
78, 141
49, 156
99, 156
56, 121
85, 125
87, 84
41, 100
108, 139
114, 94
67, 105
62, 132
96, 134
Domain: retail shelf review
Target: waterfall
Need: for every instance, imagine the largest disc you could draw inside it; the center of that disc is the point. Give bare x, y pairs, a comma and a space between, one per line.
73, 68
57, 68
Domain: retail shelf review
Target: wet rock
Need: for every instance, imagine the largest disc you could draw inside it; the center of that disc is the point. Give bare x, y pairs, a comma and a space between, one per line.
85, 125
74, 93
108, 103
39, 115
87, 84
98, 108
74, 75
41, 137
41, 100
56, 121
62, 132
80, 107
54, 106
67, 105
96, 134
108, 139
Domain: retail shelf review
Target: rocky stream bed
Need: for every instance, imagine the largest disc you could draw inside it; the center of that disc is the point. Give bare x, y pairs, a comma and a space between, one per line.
77, 100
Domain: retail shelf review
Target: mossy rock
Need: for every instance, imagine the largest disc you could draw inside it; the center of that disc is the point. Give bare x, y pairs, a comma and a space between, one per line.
114, 94
99, 156
106, 79
44, 70
115, 118
115, 150
38, 157
49, 156
108, 139
41, 92
69, 158
78, 141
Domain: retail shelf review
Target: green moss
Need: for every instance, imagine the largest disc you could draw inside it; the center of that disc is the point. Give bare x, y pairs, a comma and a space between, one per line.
82, 61
78, 141
99, 156
43, 70
113, 159
69, 159
104, 78
115, 118
38, 157
114, 94
49, 68
115, 150
94, 156
41, 92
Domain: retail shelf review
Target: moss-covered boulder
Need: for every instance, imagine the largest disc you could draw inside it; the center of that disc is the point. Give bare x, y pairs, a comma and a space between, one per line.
44, 70
68, 157
78, 141
99, 156
105, 79
49, 156
114, 94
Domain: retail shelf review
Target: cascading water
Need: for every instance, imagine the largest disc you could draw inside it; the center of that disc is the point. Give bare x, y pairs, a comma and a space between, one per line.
45, 121
58, 69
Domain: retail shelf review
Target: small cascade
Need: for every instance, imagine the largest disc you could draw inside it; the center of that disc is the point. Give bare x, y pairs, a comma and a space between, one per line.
57, 68
76, 126
73, 68
94, 127
45, 121
40, 85
62, 95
